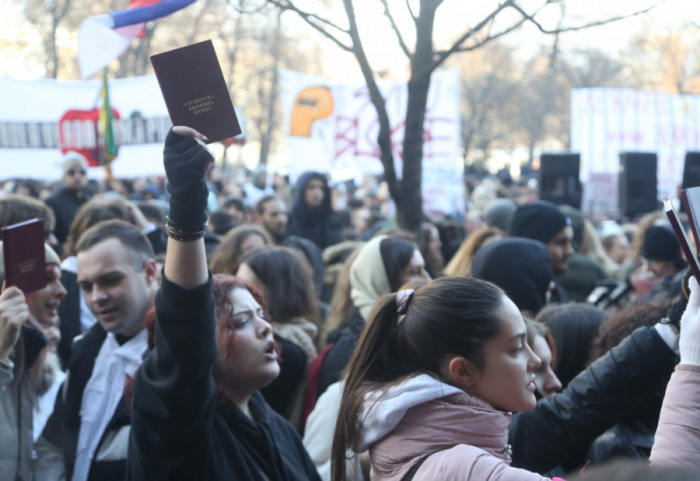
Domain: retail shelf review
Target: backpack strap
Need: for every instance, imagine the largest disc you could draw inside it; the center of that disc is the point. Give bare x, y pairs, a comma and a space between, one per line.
412, 472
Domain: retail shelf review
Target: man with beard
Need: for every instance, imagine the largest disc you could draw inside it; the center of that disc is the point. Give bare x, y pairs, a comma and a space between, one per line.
544, 222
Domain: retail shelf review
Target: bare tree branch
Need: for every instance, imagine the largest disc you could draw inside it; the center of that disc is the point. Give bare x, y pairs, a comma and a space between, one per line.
440, 57
410, 10
384, 136
318, 23
396, 30
531, 18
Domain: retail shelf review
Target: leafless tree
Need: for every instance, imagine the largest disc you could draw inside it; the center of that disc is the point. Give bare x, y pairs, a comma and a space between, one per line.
424, 58
46, 16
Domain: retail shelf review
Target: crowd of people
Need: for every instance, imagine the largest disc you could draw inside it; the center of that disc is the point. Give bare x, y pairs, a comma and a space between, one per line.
195, 328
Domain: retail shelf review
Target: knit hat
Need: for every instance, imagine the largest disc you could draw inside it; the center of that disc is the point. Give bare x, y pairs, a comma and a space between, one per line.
660, 243
51, 258
499, 213
518, 266
539, 220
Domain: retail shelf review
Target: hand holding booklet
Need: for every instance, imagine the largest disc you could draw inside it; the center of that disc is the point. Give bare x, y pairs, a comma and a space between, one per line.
688, 252
195, 91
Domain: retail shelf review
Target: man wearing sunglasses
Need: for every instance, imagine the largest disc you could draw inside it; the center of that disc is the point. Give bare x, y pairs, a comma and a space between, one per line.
66, 201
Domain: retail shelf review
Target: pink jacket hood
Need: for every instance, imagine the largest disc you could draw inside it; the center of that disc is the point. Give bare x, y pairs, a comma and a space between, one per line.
422, 416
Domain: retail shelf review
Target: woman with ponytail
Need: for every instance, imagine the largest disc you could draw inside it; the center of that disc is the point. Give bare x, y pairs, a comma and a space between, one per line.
437, 373
432, 382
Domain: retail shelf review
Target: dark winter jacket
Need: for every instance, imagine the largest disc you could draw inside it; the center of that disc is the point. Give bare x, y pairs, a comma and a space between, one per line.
180, 431
338, 356
321, 224
63, 427
65, 204
559, 431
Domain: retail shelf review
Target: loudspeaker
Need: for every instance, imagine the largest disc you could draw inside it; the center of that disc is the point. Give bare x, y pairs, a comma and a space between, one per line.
559, 180
691, 170
637, 183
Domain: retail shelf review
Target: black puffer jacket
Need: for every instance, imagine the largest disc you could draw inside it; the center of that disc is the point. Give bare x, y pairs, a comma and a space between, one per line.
559, 431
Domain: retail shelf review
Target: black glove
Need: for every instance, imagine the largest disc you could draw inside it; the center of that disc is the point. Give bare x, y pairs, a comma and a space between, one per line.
186, 164
676, 310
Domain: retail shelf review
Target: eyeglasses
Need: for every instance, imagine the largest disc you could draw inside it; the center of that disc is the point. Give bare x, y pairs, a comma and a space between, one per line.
72, 172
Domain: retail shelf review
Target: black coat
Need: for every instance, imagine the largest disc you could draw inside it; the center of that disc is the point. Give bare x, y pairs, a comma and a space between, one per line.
559, 431
65, 204
179, 428
63, 427
338, 356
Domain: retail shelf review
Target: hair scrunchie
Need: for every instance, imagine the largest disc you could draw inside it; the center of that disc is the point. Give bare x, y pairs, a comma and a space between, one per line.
403, 299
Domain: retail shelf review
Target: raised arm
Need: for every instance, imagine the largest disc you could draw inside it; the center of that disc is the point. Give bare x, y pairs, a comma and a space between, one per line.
677, 439
186, 160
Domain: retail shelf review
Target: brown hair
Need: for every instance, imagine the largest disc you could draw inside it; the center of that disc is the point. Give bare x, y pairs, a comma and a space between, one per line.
449, 316
127, 234
461, 263
227, 256
16, 208
93, 211
289, 287
621, 324
341, 303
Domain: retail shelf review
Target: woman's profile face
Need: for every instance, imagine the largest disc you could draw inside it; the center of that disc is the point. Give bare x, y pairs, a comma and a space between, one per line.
507, 378
546, 380
44, 303
415, 271
247, 358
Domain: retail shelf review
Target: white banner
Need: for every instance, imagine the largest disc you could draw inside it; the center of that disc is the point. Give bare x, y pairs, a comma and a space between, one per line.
332, 127
607, 121
30, 111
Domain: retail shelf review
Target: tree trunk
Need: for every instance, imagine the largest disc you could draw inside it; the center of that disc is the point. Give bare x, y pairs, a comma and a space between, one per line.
409, 198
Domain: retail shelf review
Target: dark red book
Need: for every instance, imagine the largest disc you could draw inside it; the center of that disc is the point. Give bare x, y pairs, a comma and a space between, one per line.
691, 201
195, 91
23, 255
688, 252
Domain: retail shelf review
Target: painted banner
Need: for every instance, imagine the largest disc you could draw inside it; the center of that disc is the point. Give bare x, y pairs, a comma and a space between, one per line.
332, 127
41, 119
607, 121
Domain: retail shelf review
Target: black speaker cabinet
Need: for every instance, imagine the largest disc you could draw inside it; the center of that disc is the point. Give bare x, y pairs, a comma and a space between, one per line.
637, 183
559, 178
691, 170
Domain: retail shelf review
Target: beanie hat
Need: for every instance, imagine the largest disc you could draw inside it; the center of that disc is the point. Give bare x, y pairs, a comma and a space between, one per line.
539, 220
660, 244
50, 254
499, 213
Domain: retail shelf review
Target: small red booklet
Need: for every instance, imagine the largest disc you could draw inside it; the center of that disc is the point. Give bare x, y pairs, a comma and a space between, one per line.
24, 256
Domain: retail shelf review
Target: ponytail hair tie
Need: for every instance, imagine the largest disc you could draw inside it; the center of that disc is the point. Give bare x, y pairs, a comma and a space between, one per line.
403, 299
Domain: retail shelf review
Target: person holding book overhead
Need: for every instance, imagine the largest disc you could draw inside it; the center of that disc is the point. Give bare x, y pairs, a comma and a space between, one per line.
196, 410
26, 370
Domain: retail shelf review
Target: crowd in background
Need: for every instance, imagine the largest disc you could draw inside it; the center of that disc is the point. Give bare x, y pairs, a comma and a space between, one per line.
320, 257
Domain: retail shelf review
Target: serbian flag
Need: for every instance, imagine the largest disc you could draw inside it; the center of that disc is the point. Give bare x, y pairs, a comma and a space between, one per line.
103, 38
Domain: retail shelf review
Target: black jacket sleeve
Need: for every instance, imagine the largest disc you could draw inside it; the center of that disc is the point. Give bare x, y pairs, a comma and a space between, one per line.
174, 393
560, 429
